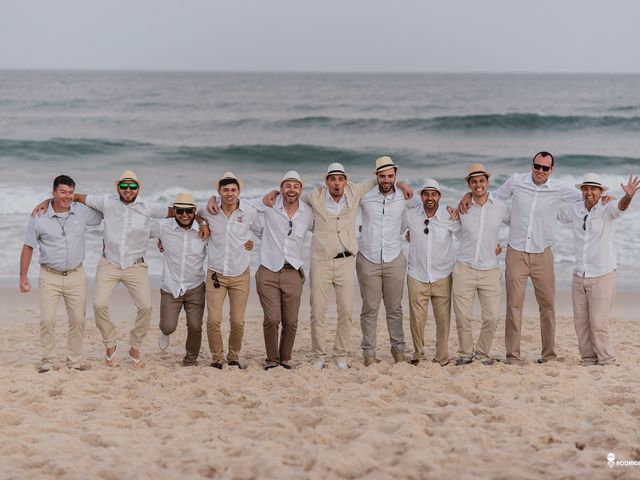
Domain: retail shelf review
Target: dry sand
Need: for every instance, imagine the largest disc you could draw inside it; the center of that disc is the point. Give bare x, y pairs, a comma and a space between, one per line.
557, 420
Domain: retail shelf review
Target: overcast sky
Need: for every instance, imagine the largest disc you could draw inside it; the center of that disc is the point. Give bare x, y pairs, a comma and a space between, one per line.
322, 35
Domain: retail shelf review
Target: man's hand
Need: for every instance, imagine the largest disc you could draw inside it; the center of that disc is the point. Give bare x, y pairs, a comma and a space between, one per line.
160, 246
465, 203
25, 285
248, 245
41, 208
204, 231
632, 186
270, 198
498, 250
453, 214
607, 198
406, 190
212, 205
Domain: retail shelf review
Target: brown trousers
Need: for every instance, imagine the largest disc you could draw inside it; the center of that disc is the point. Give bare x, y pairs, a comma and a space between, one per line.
279, 294
193, 302
238, 289
519, 267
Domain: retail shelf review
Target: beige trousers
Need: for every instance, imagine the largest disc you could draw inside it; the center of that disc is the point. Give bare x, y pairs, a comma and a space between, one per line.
440, 295
381, 282
338, 273
519, 267
136, 279
238, 290
72, 288
592, 302
467, 281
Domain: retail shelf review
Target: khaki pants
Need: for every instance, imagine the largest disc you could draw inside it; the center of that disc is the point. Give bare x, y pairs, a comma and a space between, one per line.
136, 279
279, 294
72, 288
519, 267
338, 273
592, 302
440, 295
467, 281
381, 281
238, 290
193, 302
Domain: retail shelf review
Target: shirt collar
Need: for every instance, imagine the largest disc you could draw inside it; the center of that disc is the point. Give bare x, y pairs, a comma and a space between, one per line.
51, 213
529, 179
490, 198
279, 205
176, 226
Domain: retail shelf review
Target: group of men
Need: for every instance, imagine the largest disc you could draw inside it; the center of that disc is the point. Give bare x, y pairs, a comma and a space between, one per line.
452, 258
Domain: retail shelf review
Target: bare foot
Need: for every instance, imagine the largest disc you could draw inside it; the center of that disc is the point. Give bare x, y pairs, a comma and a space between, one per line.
136, 358
110, 359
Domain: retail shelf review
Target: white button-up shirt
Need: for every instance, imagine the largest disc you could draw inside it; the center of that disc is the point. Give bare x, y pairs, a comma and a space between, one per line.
227, 254
60, 236
336, 208
183, 257
381, 237
283, 238
593, 233
126, 226
480, 232
534, 210
432, 255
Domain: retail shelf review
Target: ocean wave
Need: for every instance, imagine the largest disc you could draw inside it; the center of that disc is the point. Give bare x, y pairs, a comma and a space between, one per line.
466, 123
65, 147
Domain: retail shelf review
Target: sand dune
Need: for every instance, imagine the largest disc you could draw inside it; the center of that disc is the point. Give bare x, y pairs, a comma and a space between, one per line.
557, 420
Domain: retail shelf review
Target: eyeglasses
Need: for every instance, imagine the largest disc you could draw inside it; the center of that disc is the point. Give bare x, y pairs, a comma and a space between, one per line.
130, 186
426, 230
584, 222
290, 228
544, 168
214, 279
182, 211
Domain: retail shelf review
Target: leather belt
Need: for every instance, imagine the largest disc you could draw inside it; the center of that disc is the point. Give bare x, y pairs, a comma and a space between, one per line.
58, 272
288, 265
343, 255
140, 260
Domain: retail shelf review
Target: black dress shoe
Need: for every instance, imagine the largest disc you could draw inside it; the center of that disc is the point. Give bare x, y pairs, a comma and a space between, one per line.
269, 365
487, 361
217, 365
415, 361
463, 361
285, 365
237, 363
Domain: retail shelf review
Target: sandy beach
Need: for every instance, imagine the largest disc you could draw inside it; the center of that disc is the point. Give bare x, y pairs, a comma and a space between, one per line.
557, 420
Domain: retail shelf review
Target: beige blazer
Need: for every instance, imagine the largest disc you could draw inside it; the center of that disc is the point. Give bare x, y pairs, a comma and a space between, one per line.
330, 229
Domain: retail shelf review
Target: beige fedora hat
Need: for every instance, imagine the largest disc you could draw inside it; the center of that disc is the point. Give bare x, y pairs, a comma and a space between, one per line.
184, 200
431, 184
476, 170
592, 179
228, 176
128, 175
384, 163
292, 175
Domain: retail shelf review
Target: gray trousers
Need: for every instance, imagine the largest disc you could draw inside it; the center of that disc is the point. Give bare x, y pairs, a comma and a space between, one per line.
381, 281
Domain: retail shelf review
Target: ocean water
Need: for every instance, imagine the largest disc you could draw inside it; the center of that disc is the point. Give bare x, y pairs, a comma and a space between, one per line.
181, 131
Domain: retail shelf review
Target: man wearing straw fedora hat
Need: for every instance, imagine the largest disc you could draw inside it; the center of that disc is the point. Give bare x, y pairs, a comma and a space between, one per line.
594, 281
228, 267
431, 259
280, 277
184, 253
380, 263
476, 271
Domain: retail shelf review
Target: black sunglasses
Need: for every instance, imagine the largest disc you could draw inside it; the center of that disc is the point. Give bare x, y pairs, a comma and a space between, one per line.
290, 228
584, 222
544, 168
214, 279
426, 230
182, 211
